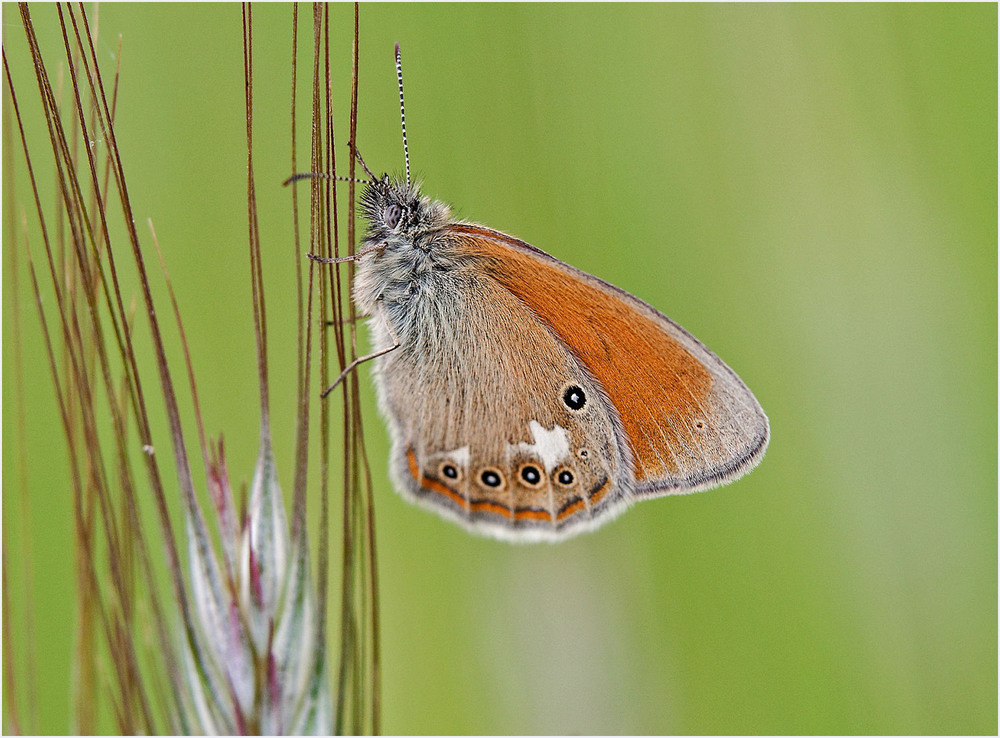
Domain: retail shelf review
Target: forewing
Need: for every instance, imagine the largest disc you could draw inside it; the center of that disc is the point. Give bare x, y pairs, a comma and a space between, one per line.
689, 421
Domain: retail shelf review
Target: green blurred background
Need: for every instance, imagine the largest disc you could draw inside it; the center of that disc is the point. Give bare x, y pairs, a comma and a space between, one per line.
811, 190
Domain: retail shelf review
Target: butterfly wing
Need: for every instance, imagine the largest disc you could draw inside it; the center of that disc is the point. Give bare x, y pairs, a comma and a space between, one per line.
689, 422
530, 400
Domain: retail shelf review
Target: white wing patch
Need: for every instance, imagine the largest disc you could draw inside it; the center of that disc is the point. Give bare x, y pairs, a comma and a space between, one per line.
460, 456
551, 446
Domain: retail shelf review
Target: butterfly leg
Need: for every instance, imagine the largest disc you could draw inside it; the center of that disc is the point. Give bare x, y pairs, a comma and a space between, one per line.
367, 357
346, 321
378, 247
340, 260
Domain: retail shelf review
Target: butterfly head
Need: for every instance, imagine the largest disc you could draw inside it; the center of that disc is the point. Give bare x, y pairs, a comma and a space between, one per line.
398, 214
403, 250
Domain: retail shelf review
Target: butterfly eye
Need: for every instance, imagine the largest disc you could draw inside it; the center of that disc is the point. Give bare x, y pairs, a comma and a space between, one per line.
392, 215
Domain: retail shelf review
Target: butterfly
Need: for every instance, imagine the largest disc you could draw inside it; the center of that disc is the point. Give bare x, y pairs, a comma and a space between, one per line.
526, 399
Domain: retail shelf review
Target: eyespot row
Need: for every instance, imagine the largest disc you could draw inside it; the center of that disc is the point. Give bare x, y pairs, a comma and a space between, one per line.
530, 474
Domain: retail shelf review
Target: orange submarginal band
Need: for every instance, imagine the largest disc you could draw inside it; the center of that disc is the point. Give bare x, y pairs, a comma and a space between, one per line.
572, 507
432, 484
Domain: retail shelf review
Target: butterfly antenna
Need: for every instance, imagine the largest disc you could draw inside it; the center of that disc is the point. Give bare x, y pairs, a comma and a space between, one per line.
357, 155
402, 114
321, 175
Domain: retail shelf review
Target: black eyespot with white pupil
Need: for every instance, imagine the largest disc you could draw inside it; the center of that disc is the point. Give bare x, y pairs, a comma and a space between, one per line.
392, 215
574, 397
565, 477
530, 474
450, 471
491, 478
